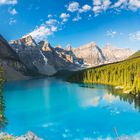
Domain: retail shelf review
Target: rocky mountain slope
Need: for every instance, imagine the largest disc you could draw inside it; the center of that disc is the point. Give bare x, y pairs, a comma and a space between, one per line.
24, 57
116, 54
56, 57
14, 69
92, 55
41, 58
30, 54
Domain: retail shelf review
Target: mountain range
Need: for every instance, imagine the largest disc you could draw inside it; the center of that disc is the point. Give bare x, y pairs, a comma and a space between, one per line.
24, 58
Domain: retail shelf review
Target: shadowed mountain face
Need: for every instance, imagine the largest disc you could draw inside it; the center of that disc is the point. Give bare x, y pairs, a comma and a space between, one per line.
31, 55
14, 69
6, 52
57, 57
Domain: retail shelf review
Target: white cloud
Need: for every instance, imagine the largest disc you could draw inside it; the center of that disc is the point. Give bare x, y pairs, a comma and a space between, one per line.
41, 33
100, 5
106, 4
54, 29
12, 21
73, 6
97, 9
135, 36
13, 11
85, 8
134, 5
44, 30
127, 4
8, 2
51, 22
64, 17
120, 3
111, 33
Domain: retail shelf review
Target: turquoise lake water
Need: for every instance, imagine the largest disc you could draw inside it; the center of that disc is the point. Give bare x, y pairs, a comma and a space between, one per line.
58, 110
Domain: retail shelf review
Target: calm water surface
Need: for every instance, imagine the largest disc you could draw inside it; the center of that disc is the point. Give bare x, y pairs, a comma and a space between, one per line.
57, 110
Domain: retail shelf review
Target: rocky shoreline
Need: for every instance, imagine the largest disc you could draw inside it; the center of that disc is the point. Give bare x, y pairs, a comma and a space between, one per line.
29, 136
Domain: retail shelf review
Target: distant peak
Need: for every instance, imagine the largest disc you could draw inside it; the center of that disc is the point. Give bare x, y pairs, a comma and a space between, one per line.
45, 46
68, 47
89, 45
44, 42
59, 46
27, 37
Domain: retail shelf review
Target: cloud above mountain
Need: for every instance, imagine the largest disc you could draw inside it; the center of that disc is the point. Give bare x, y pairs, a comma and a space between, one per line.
46, 29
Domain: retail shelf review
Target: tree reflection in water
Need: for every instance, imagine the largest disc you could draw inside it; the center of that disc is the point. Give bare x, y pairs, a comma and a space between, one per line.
131, 99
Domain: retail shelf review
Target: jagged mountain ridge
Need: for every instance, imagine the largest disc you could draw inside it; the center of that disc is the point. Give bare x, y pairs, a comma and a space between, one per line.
60, 61
116, 54
27, 58
90, 53
40, 57
60, 58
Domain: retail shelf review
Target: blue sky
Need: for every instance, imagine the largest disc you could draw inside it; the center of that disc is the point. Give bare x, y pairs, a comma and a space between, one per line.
77, 22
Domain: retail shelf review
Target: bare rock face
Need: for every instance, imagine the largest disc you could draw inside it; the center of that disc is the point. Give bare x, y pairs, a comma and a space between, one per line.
115, 54
64, 54
56, 56
31, 55
90, 53
44, 59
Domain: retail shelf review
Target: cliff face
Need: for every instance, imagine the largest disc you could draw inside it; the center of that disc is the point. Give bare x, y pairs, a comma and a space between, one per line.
41, 58
31, 55
11, 62
116, 54
90, 53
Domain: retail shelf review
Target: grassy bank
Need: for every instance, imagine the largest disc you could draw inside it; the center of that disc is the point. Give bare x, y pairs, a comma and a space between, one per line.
125, 74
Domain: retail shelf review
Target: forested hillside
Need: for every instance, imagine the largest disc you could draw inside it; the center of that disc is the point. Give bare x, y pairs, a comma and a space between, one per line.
125, 74
2, 117
137, 54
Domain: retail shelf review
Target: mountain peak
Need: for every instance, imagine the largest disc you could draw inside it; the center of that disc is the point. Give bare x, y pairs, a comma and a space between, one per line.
28, 41
45, 46
89, 45
68, 47
93, 44
59, 46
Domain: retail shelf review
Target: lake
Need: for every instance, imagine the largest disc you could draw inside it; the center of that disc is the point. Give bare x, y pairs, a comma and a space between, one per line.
57, 110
